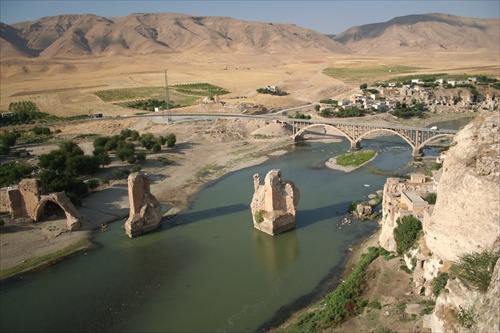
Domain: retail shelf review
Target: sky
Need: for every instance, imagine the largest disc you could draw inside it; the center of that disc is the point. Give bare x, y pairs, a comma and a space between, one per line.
324, 16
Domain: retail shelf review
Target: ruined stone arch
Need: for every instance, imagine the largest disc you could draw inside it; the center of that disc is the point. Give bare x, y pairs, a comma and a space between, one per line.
73, 216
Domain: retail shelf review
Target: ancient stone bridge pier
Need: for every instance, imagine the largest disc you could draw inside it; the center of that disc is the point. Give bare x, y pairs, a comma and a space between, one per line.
416, 137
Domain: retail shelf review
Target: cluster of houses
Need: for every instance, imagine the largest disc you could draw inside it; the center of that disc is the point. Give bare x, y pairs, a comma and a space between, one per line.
433, 99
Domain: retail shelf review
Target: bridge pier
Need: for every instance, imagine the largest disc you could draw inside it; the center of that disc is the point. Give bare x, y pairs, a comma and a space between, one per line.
417, 153
355, 145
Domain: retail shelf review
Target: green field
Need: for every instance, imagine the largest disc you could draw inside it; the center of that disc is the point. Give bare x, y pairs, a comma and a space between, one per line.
368, 73
184, 94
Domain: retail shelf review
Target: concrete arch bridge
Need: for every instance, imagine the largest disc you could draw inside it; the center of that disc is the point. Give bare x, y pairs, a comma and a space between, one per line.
416, 137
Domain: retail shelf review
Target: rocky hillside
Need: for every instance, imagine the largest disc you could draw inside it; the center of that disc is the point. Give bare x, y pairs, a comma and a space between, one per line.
466, 216
90, 35
464, 221
432, 32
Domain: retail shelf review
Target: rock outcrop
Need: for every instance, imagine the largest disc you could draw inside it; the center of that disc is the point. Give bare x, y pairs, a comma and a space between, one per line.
466, 215
145, 210
274, 204
465, 221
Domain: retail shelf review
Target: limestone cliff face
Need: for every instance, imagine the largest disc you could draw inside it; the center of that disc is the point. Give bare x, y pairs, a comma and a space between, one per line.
485, 307
465, 220
145, 210
274, 204
467, 211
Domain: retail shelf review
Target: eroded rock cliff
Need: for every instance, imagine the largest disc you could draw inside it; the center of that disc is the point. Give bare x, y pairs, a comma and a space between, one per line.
274, 204
467, 212
464, 220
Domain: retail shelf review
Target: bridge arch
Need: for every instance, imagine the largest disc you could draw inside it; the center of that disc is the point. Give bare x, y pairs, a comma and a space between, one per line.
302, 130
355, 141
404, 137
426, 142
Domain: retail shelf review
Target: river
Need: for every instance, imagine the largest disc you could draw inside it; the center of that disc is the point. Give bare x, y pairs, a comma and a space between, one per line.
208, 269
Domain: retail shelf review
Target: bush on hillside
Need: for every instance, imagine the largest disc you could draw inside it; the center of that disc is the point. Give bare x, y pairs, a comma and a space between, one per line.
406, 233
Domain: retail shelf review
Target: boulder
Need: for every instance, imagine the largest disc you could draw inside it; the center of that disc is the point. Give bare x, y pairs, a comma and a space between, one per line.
145, 210
274, 204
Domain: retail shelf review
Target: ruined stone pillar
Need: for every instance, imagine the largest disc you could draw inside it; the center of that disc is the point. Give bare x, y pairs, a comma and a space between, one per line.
274, 204
145, 210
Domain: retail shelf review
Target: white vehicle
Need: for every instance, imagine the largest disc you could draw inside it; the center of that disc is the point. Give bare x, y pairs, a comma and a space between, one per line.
434, 128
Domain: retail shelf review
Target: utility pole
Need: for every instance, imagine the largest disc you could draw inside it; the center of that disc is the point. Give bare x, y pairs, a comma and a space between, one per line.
167, 99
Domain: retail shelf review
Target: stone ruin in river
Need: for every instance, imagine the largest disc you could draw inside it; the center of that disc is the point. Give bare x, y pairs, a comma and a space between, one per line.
274, 204
145, 210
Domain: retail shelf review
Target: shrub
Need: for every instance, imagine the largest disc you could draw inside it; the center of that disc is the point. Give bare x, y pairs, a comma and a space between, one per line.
93, 183
439, 283
259, 216
436, 166
406, 233
476, 268
171, 140
120, 174
136, 168
431, 198
41, 130
344, 302
466, 316
374, 305
353, 206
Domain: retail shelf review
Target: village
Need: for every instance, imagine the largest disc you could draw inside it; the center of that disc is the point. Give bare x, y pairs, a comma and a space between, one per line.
437, 96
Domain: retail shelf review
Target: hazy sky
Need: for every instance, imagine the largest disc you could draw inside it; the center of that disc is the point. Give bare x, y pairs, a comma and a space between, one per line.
325, 16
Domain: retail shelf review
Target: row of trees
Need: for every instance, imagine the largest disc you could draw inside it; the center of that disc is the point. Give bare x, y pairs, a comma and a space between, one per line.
66, 168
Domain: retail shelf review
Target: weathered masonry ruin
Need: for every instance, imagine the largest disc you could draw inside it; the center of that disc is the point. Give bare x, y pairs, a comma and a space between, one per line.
145, 209
274, 204
26, 201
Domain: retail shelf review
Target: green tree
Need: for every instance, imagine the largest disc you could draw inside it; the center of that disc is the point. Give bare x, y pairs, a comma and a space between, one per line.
55, 161
12, 173
363, 86
70, 148
82, 165
140, 156
148, 140
171, 140
7, 140
156, 147
125, 150
406, 233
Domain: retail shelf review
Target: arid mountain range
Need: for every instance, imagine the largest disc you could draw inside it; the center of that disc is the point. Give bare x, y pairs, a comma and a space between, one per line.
76, 36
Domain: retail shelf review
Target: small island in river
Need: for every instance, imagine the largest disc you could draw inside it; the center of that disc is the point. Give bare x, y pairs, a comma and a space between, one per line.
351, 161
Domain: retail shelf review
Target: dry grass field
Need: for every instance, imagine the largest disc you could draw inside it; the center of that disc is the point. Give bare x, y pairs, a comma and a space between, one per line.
66, 87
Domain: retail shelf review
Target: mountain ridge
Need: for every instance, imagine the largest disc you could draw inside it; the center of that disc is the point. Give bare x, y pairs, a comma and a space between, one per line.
87, 35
